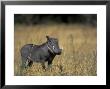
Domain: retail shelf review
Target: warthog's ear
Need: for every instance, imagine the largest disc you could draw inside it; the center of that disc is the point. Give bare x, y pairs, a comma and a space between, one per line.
47, 37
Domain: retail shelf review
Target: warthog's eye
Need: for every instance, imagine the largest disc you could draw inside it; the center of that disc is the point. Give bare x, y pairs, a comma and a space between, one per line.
53, 47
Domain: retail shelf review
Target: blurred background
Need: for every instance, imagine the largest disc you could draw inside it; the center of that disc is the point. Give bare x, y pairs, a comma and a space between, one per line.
33, 19
77, 35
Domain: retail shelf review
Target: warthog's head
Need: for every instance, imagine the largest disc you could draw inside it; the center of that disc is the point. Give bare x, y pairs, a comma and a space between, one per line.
53, 46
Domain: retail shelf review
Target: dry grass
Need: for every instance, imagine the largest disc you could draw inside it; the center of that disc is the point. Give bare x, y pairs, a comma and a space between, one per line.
79, 49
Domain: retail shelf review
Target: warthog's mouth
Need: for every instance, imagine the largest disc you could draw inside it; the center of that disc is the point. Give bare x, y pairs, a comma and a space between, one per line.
59, 53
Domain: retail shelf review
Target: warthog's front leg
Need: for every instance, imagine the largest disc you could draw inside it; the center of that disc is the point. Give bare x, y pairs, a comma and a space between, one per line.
43, 65
50, 64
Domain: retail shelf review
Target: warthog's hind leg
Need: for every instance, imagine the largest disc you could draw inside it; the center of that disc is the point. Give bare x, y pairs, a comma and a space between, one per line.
25, 62
30, 63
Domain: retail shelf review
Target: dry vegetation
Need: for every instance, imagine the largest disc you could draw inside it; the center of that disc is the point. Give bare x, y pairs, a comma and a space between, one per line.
79, 45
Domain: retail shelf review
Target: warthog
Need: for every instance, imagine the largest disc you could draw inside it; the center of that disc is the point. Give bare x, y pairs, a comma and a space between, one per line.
40, 53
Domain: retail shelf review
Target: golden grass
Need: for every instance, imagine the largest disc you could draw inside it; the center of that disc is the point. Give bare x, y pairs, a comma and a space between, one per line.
79, 49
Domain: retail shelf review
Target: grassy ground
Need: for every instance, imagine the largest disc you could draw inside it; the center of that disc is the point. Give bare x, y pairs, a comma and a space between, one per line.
79, 45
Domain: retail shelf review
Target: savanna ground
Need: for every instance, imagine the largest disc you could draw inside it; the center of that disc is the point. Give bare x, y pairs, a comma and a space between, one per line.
79, 55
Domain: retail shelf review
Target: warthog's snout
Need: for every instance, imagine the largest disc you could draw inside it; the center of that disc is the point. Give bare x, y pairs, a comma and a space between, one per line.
60, 51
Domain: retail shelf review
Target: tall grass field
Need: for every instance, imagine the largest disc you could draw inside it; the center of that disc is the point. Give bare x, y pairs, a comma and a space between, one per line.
79, 54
